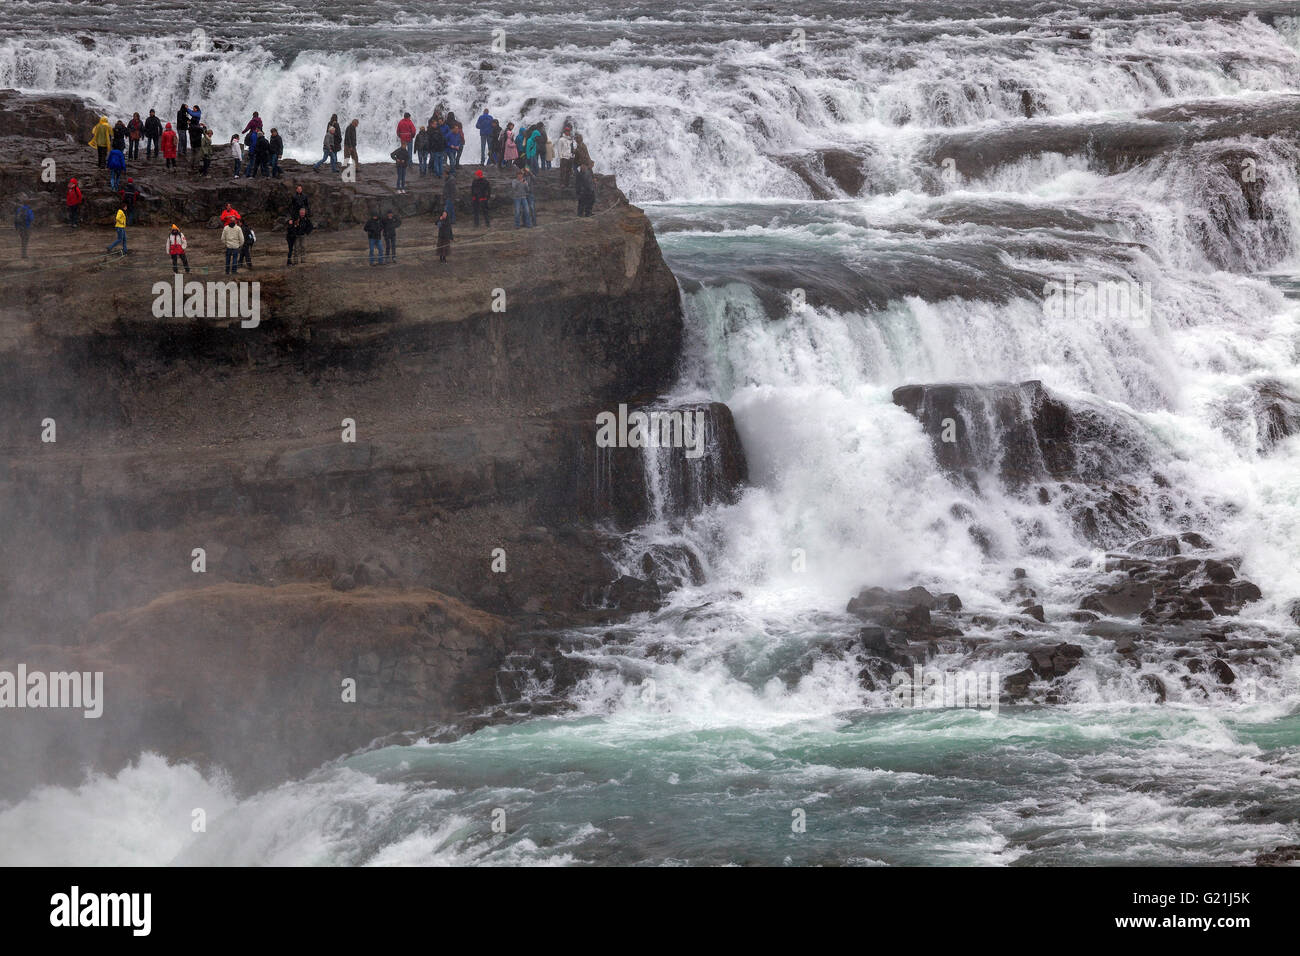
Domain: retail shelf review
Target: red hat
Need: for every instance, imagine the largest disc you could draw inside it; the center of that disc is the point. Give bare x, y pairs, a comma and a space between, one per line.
479, 174
129, 179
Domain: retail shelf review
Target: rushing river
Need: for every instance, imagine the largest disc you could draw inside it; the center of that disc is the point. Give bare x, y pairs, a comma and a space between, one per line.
722, 120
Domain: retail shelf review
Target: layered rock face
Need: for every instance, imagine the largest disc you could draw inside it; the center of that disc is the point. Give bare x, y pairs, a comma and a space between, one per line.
386, 480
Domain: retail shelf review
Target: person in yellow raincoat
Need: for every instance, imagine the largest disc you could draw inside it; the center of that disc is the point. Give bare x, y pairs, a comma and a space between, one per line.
100, 138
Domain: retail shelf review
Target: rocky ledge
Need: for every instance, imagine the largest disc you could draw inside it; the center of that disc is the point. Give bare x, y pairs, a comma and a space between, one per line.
371, 511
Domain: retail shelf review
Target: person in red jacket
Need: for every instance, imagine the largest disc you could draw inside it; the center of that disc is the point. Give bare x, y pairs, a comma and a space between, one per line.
74, 201
406, 131
169, 146
230, 215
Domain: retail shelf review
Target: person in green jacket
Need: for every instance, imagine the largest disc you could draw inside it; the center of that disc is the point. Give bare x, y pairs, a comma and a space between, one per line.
100, 138
205, 150
530, 149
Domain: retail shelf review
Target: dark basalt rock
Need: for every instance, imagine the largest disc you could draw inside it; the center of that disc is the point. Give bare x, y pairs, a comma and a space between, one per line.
1020, 433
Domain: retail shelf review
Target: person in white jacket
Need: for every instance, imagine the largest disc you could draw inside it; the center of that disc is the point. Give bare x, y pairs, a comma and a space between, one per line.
176, 246
564, 153
232, 237
236, 152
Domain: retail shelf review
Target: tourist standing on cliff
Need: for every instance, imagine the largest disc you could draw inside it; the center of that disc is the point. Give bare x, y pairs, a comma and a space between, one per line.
169, 146
406, 131
445, 238
519, 193
262, 157
330, 145
119, 136
564, 152
205, 151
402, 157
480, 194
74, 199
182, 127
246, 248
101, 137
236, 153
253, 124
530, 181
484, 126
291, 236
390, 223
494, 145
24, 218
455, 145
580, 155
176, 246
277, 151
299, 203
509, 148
304, 229
421, 147
350, 147
374, 228
119, 224
232, 237
134, 132
196, 132
152, 134
437, 147
116, 166
585, 184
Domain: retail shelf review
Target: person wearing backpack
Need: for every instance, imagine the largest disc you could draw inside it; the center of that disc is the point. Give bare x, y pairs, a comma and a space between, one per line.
74, 200
246, 248
401, 156
24, 219
176, 246
116, 166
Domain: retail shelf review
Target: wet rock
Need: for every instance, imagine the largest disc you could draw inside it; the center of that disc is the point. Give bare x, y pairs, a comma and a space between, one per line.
633, 594
1280, 856
1120, 600
1016, 686
1036, 612
1055, 660
1153, 685
1163, 546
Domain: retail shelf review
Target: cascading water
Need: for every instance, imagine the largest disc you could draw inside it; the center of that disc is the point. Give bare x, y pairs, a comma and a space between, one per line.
703, 724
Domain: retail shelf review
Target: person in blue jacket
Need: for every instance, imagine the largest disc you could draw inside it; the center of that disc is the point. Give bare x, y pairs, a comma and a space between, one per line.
484, 126
24, 218
116, 166
455, 143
